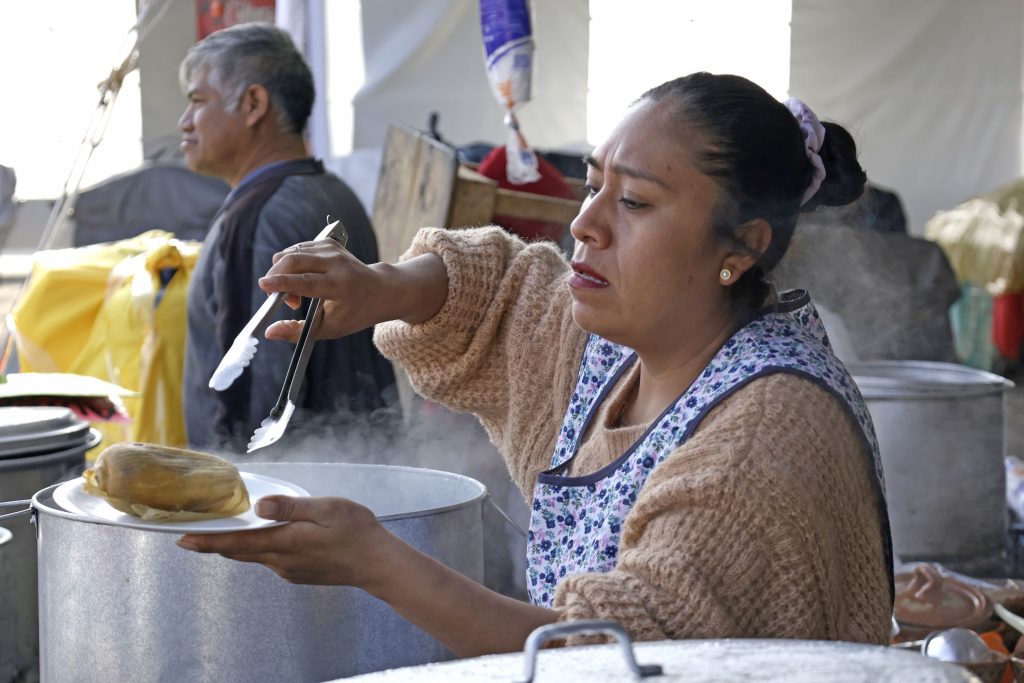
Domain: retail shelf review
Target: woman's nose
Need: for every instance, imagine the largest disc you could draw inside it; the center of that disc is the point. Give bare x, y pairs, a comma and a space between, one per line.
591, 223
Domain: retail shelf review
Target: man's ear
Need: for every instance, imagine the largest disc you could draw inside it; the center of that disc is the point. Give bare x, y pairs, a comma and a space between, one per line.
755, 236
255, 104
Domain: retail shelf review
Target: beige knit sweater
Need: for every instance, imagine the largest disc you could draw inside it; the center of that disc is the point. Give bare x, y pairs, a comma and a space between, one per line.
763, 524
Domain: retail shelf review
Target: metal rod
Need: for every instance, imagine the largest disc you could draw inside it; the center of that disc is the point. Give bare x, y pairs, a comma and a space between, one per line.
19, 513
505, 515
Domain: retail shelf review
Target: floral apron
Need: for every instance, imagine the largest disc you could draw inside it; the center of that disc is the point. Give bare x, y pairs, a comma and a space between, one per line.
576, 522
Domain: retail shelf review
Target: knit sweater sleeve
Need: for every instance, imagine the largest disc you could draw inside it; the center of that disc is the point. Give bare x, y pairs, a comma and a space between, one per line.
763, 524
503, 346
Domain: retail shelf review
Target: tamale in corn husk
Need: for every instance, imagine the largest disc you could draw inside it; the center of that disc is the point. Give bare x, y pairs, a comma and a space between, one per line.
165, 484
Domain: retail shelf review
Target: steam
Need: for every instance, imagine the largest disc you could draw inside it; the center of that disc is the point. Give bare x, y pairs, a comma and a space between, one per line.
430, 436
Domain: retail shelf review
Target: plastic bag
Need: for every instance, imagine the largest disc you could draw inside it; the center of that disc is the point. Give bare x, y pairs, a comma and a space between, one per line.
508, 57
984, 239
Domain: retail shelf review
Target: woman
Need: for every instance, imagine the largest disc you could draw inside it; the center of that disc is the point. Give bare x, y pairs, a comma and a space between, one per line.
714, 472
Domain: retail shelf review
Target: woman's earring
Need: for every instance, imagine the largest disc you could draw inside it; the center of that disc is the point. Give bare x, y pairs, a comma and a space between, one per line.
725, 274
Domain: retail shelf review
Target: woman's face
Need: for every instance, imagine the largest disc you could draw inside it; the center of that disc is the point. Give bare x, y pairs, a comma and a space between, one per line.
646, 263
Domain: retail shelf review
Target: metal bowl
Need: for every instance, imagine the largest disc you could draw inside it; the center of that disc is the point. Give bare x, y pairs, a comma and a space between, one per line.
965, 648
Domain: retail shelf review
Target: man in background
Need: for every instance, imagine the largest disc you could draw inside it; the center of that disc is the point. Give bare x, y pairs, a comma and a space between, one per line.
249, 97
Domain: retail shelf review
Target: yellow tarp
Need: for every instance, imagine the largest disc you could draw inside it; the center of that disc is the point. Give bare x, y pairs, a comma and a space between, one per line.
104, 311
984, 239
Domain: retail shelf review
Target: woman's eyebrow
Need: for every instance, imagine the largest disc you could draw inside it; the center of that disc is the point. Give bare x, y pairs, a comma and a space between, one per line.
628, 171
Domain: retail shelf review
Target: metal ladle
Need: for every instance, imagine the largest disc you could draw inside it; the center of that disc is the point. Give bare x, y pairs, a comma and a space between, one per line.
960, 645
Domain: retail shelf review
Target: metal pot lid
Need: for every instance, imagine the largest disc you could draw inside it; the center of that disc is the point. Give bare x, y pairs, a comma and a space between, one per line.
39, 429
924, 379
698, 661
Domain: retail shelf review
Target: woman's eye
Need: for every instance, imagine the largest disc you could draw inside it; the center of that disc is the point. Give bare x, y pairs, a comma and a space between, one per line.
590, 190
632, 204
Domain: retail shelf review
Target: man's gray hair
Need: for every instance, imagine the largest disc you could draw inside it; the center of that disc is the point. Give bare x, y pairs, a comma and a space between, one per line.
255, 54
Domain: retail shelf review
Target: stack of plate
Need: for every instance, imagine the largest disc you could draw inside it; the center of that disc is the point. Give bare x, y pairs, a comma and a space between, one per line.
39, 446
26, 431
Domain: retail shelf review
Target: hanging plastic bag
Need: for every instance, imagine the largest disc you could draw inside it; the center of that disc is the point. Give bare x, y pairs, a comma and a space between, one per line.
508, 57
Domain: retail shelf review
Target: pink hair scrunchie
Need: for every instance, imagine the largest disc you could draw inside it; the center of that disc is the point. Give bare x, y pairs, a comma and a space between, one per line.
814, 136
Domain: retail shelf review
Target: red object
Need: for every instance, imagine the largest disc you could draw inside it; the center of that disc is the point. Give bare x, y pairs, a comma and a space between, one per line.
994, 640
1008, 325
551, 184
213, 15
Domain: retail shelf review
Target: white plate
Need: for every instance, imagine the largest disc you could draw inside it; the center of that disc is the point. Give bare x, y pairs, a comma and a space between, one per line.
72, 497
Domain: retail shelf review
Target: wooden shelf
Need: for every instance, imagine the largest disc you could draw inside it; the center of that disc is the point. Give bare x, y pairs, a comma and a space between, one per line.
423, 185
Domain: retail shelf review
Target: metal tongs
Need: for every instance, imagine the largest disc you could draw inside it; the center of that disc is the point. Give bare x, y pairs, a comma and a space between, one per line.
273, 426
244, 348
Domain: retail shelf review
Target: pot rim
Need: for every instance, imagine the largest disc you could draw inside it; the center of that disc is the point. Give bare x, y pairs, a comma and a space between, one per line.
472, 483
931, 380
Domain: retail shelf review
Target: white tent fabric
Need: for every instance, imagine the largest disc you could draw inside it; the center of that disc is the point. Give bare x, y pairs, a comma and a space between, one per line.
931, 90
305, 21
428, 56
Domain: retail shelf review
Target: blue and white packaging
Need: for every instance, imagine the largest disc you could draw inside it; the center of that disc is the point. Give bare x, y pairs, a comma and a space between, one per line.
508, 57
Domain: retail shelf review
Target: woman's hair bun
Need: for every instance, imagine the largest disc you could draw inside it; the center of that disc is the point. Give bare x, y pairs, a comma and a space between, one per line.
844, 178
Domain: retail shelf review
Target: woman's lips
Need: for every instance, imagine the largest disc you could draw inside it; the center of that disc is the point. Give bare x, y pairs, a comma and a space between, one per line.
584, 277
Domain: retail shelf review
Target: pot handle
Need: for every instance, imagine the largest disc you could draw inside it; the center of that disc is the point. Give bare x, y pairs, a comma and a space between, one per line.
504, 515
586, 627
14, 504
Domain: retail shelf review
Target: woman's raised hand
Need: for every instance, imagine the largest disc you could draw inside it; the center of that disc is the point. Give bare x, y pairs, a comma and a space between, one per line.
355, 295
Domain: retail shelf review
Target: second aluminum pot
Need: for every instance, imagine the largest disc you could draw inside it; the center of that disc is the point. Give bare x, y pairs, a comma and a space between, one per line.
940, 431
119, 604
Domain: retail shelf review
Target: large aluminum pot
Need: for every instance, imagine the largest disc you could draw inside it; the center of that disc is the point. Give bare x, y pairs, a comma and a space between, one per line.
39, 446
940, 430
121, 604
692, 661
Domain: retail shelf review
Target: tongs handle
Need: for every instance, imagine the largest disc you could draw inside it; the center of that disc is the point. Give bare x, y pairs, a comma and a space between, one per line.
304, 347
336, 231
262, 315
300, 359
